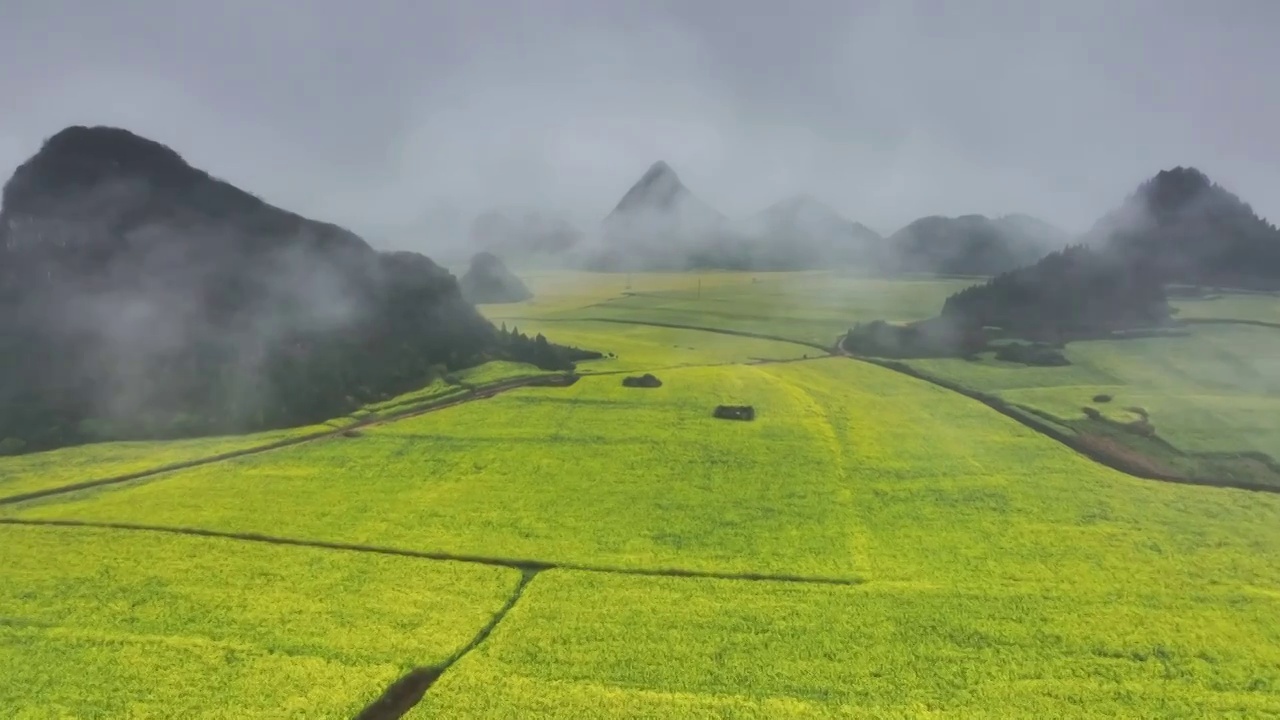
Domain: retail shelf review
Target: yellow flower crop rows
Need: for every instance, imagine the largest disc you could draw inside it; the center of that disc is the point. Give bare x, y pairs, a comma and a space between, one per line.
22, 474
586, 645
811, 307
849, 471
109, 623
645, 347
98, 461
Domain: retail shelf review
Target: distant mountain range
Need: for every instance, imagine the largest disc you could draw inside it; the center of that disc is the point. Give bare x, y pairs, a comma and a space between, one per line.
661, 224
803, 232
972, 244
1179, 224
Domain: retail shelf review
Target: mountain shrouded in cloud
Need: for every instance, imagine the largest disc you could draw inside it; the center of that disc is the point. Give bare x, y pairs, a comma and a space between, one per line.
657, 224
141, 297
803, 232
489, 281
523, 234
972, 244
1181, 226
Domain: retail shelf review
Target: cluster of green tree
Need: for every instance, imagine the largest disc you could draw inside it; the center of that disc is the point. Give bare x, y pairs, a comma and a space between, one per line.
1076, 292
1178, 227
935, 337
1040, 354
537, 350
142, 298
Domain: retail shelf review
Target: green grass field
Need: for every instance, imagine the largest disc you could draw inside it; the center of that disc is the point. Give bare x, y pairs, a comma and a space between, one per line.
872, 545
812, 307
108, 623
1234, 306
1217, 390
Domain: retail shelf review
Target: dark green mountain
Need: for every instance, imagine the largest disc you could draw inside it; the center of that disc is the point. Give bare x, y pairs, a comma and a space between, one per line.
1182, 227
141, 297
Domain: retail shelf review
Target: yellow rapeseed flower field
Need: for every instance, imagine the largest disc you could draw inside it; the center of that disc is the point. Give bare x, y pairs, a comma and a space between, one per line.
31, 472
66, 466
107, 623
590, 645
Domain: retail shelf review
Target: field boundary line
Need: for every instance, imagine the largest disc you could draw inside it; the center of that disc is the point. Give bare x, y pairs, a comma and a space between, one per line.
405, 693
1027, 419
749, 363
1229, 321
477, 392
521, 564
679, 326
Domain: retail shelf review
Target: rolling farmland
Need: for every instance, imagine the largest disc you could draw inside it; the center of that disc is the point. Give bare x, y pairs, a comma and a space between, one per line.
871, 545
1217, 389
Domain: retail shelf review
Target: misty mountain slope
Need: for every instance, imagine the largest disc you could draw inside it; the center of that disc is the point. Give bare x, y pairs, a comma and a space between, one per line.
143, 298
657, 224
1182, 227
521, 235
972, 244
802, 232
1075, 292
489, 281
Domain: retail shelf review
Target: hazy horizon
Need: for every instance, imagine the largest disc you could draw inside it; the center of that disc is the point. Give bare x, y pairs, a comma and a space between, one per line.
403, 121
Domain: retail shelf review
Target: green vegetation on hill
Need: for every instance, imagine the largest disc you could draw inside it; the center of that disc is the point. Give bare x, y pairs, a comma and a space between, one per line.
1179, 226
489, 281
142, 299
1076, 292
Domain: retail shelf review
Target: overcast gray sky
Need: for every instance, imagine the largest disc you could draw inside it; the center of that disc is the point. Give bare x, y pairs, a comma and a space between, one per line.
383, 114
